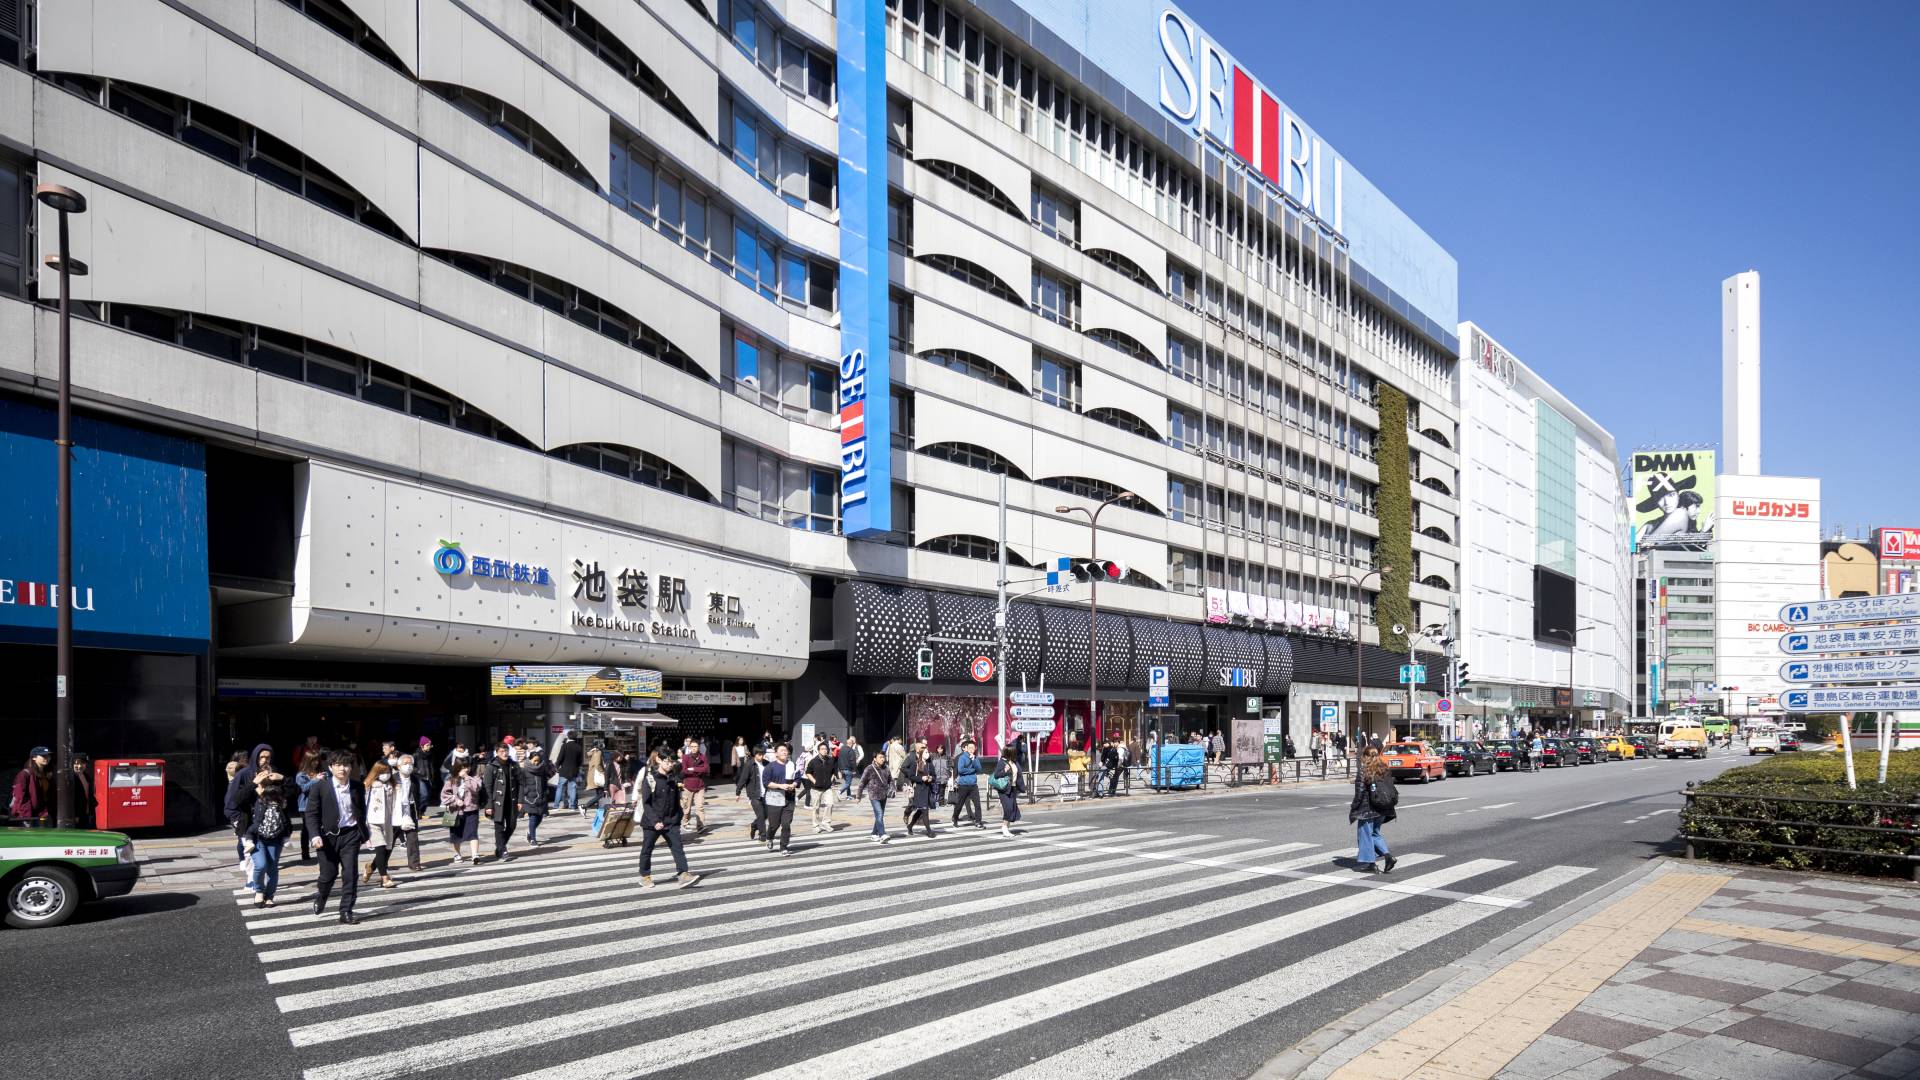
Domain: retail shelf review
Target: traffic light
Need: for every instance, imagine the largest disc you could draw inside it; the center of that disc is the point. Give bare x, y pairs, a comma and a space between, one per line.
1460, 677
1098, 570
924, 663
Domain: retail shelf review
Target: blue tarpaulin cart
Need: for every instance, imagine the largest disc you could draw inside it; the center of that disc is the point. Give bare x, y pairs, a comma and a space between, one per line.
1177, 766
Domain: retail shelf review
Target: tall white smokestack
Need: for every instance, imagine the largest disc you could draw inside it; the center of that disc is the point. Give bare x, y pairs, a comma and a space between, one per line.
1740, 374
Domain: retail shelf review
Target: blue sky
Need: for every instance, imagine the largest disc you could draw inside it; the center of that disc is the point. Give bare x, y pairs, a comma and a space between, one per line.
1597, 170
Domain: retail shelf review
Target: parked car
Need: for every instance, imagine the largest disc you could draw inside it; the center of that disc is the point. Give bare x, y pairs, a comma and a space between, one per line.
1617, 748
46, 874
1467, 758
1414, 760
1507, 755
1558, 752
1587, 751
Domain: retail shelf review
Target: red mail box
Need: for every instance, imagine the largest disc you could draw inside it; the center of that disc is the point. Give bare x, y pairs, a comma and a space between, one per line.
131, 793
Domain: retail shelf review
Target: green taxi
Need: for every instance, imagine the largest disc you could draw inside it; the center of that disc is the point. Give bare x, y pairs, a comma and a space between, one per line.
45, 874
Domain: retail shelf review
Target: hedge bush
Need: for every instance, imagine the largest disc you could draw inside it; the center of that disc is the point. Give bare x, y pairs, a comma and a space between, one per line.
1393, 503
1809, 776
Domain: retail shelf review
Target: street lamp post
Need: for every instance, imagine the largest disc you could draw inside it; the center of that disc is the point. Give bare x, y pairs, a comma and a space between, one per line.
1093, 607
1573, 649
1359, 645
63, 201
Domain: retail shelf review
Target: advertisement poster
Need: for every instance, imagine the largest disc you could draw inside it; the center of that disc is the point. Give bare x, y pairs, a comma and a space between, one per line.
1673, 496
527, 680
1249, 740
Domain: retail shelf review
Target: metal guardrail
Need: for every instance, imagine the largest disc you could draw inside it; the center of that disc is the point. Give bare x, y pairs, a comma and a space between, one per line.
1048, 785
1911, 810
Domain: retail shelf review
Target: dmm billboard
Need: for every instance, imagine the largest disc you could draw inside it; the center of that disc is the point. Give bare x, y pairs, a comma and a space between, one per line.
1673, 492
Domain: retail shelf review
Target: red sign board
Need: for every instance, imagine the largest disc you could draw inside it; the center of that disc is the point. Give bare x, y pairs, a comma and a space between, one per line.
1899, 545
1764, 508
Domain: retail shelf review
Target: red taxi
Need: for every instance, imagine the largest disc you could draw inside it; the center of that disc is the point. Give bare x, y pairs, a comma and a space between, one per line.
1414, 760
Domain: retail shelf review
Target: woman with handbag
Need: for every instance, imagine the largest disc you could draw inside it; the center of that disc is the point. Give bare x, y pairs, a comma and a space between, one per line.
534, 775
460, 801
876, 786
1006, 784
1374, 798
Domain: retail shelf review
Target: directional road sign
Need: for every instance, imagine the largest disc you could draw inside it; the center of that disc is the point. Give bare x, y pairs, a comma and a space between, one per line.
1853, 669
1853, 609
1031, 697
1032, 712
1033, 726
1899, 637
1413, 673
1843, 698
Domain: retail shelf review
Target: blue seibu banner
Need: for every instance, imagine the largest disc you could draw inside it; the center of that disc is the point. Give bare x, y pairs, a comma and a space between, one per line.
866, 367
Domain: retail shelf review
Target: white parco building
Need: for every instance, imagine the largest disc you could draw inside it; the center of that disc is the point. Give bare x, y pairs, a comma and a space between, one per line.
1548, 580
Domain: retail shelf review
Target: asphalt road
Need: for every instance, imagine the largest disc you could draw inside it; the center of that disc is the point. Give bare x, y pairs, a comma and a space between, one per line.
1194, 937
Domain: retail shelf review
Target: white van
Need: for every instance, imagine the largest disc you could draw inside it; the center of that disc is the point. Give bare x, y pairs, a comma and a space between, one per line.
1765, 737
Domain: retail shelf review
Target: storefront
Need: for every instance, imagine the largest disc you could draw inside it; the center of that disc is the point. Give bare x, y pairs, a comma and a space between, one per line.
410, 603
139, 599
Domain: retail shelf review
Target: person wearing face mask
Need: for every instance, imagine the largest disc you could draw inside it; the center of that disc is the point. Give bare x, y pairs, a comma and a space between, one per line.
417, 790
533, 792
500, 797
388, 814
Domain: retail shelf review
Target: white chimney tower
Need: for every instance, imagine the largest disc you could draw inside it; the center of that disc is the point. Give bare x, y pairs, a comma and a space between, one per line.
1740, 374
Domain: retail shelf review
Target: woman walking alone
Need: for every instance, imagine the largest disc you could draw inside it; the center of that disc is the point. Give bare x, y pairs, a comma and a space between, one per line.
876, 786
460, 798
1006, 784
534, 777
33, 790
1374, 797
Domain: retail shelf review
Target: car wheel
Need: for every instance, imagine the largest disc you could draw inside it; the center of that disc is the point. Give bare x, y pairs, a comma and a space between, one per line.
43, 896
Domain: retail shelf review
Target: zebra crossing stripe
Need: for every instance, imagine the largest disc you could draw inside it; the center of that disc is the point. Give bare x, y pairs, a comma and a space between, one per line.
608, 888
486, 890
524, 993
675, 1051
654, 915
901, 1049
694, 1045
739, 950
1157, 1039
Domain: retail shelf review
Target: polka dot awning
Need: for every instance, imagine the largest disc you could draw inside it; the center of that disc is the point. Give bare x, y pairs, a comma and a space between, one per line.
891, 622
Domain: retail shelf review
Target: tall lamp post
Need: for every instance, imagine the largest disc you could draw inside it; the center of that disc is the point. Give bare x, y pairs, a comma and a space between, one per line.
63, 201
1573, 649
1093, 606
1359, 645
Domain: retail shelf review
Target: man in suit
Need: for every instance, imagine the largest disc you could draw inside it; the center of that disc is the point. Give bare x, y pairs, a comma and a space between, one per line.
337, 814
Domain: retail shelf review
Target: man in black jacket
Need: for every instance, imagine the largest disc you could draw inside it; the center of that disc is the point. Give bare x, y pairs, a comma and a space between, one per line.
751, 769
500, 797
337, 814
566, 765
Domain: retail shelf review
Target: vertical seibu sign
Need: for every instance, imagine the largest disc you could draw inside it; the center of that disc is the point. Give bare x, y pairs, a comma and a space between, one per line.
866, 368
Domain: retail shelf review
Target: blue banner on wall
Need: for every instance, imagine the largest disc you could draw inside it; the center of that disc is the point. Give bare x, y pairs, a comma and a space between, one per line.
139, 534
866, 365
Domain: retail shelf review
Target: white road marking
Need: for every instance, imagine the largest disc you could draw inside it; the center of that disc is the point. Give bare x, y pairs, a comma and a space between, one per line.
1477, 809
1568, 810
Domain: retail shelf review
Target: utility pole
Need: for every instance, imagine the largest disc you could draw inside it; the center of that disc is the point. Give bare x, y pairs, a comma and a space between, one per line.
1000, 624
63, 201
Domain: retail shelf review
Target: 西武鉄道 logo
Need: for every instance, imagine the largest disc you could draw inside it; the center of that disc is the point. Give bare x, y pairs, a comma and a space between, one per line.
449, 559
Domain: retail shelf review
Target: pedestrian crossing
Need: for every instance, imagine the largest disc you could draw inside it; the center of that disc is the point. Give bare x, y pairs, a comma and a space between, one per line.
1076, 948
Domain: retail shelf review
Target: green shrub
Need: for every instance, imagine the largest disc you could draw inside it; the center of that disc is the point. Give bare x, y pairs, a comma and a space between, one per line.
1814, 824
1394, 505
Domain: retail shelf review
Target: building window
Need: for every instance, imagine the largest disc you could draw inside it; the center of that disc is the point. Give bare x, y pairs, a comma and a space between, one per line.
973, 184
1056, 214
516, 127
972, 366
633, 464
805, 180
968, 546
1183, 428
1056, 298
15, 189
973, 457
1123, 420
1088, 487
1056, 380
797, 69
762, 484
790, 385
613, 52
334, 16
972, 273
1183, 499
1183, 570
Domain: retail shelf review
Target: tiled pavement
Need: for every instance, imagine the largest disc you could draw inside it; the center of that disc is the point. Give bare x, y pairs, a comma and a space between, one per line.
1706, 974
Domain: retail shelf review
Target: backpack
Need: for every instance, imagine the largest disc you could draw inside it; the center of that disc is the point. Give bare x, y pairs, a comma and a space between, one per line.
1383, 801
270, 821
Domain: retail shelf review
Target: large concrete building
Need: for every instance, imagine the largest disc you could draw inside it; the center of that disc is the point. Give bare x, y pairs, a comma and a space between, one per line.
687, 340
1546, 617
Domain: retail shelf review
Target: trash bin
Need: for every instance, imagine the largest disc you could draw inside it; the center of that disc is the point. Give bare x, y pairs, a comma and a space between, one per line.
131, 793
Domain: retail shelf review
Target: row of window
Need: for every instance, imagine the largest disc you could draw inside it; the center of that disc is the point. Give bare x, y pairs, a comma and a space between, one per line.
1267, 393
805, 179
781, 382
1191, 571
762, 484
613, 52
1216, 508
1231, 309
689, 214
800, 69
1187, 431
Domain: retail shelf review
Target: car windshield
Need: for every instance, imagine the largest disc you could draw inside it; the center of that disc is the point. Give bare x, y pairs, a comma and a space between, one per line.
1503, 746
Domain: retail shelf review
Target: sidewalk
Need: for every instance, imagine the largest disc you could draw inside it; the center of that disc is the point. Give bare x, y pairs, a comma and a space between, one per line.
1684, 970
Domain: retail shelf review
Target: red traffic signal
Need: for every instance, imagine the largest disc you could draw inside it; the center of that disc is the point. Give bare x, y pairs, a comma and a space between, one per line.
1098, 570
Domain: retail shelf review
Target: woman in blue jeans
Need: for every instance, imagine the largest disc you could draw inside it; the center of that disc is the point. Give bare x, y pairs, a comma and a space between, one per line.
1374, 797
876, 783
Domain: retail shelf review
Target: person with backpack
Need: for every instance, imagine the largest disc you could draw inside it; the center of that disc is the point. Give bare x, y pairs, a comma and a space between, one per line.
1374, 799
876, 786
267, 830
658, 793
1006, 784
966, 780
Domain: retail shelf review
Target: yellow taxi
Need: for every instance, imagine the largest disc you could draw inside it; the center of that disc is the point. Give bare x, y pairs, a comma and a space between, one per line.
1616, 748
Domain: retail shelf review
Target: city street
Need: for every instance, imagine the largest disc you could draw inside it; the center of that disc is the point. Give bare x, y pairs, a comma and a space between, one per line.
1197, 936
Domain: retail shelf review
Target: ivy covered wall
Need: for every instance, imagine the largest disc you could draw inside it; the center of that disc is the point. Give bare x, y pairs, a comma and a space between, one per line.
1395, 506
